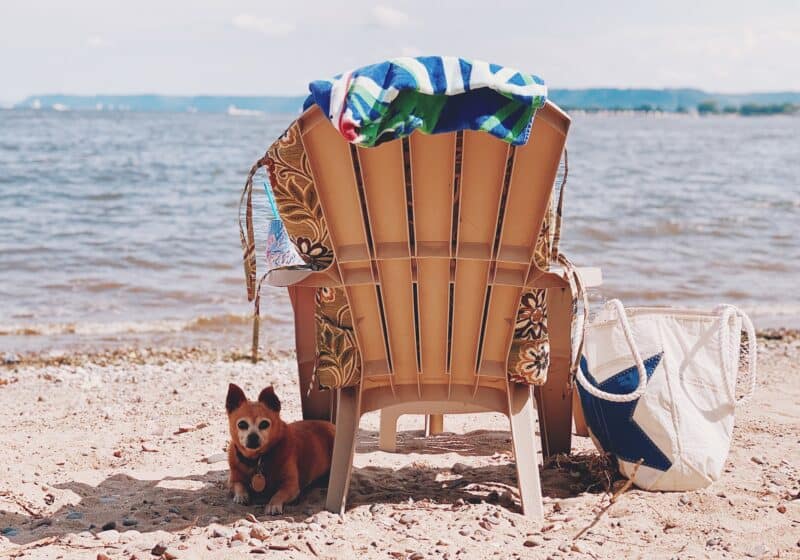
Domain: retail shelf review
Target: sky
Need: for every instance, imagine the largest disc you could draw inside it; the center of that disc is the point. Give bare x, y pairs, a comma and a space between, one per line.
244, 47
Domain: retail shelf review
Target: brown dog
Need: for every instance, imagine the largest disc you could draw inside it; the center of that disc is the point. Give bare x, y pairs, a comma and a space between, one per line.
269, 457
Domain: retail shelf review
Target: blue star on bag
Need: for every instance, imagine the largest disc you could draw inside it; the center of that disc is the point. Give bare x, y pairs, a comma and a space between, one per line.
613, 425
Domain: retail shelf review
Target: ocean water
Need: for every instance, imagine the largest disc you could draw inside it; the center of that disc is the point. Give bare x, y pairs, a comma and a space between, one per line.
121, 228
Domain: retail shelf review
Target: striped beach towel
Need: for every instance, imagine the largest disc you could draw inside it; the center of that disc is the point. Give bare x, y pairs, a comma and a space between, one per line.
391, 99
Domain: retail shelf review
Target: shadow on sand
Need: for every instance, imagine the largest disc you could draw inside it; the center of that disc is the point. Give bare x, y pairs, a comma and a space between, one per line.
175, 503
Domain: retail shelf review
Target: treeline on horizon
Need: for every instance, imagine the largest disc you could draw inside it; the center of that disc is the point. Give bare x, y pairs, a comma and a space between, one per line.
704, 108
591, 100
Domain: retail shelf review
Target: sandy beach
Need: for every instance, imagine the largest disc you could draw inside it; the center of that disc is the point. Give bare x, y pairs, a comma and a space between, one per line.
120, 455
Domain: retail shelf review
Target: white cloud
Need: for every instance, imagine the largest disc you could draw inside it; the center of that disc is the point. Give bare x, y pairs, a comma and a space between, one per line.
96, 42
267, 26
385, 16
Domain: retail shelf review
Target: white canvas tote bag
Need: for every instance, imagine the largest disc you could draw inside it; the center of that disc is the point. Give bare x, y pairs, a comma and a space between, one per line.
658, 390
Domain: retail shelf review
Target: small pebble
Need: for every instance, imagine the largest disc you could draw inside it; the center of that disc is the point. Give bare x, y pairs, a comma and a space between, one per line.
108, 537
714, 541
158, 550
781, 508
530, 543
758, 551
216, 458
174, 509
74, 515
582, 549
130, 522
758, 460
459, 468
108, 526
221, 531
240, 536
9, 532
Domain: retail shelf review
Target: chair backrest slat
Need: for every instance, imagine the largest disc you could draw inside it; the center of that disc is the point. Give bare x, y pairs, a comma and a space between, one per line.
471, 277
432, 167
482, 174
332, 167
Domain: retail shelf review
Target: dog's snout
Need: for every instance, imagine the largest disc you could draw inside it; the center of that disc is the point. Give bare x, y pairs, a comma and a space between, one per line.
253, 441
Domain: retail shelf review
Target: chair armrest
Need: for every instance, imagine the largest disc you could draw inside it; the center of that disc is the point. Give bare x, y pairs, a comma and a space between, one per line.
557, 278
286, 276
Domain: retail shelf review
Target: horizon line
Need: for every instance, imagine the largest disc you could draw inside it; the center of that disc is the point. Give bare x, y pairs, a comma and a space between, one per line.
286, 95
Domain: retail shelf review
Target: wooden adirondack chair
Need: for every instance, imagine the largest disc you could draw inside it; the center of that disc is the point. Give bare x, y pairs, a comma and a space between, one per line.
430, 242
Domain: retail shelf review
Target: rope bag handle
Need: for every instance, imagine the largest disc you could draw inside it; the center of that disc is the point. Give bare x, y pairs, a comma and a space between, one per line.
622, 317
729, 346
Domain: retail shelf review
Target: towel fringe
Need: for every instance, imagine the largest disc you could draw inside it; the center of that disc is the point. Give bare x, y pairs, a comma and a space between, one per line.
248, 239
559, 210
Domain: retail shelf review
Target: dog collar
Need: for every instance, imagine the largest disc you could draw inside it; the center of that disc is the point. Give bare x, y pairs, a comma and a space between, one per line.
252, 463
257, 482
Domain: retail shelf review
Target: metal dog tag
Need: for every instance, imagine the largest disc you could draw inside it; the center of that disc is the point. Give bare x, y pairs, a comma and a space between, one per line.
258, 482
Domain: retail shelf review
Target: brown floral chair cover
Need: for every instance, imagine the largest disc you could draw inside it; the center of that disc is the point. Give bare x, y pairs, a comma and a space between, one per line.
338, 363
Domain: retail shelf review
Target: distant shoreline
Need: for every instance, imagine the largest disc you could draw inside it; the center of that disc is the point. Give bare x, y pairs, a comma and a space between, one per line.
592, 100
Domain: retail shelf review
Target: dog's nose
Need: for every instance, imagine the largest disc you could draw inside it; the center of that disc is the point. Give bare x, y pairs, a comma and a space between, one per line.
253, 441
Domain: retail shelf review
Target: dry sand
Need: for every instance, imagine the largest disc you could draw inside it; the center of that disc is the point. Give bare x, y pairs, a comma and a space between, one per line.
135, 440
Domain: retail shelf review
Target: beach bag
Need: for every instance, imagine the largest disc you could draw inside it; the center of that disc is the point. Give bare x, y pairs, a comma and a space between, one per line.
658, 390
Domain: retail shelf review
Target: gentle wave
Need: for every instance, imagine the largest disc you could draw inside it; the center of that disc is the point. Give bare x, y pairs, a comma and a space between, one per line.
127, 327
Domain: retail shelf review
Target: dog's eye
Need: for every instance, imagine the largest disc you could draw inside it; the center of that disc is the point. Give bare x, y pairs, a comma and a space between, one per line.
263, 425
242, 425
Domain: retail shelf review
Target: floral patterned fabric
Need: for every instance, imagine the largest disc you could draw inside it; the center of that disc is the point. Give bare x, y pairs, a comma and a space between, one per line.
338, 363
293, 187
529, 357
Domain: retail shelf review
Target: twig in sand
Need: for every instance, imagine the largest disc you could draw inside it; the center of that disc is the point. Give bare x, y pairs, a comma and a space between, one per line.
56, 540
19, 502
628, 483
610, 503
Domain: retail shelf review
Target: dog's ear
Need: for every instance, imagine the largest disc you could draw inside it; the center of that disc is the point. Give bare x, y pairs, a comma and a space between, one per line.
269, 398
235, 397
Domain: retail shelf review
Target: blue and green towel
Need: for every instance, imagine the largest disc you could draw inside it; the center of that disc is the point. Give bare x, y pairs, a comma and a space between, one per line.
391, 99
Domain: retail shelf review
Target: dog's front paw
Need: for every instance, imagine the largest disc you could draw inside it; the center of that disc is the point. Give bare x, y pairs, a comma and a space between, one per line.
274, 509
240, 495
